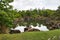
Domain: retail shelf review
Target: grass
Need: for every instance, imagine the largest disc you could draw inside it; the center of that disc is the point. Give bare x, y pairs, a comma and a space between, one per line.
49, 35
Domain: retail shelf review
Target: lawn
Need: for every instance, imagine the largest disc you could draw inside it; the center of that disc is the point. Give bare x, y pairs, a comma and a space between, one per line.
49, 35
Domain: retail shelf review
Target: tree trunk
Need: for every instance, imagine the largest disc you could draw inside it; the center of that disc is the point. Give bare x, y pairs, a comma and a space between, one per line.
4, 29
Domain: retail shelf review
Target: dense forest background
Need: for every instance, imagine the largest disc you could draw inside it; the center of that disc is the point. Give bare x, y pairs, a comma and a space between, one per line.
10, 18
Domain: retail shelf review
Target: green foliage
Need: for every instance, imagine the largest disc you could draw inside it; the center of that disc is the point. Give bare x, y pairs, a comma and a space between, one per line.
4, 5
57, 14
37, 16
5, 19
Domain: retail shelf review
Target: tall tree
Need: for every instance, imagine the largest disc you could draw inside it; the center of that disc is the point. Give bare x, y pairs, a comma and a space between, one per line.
5, 19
